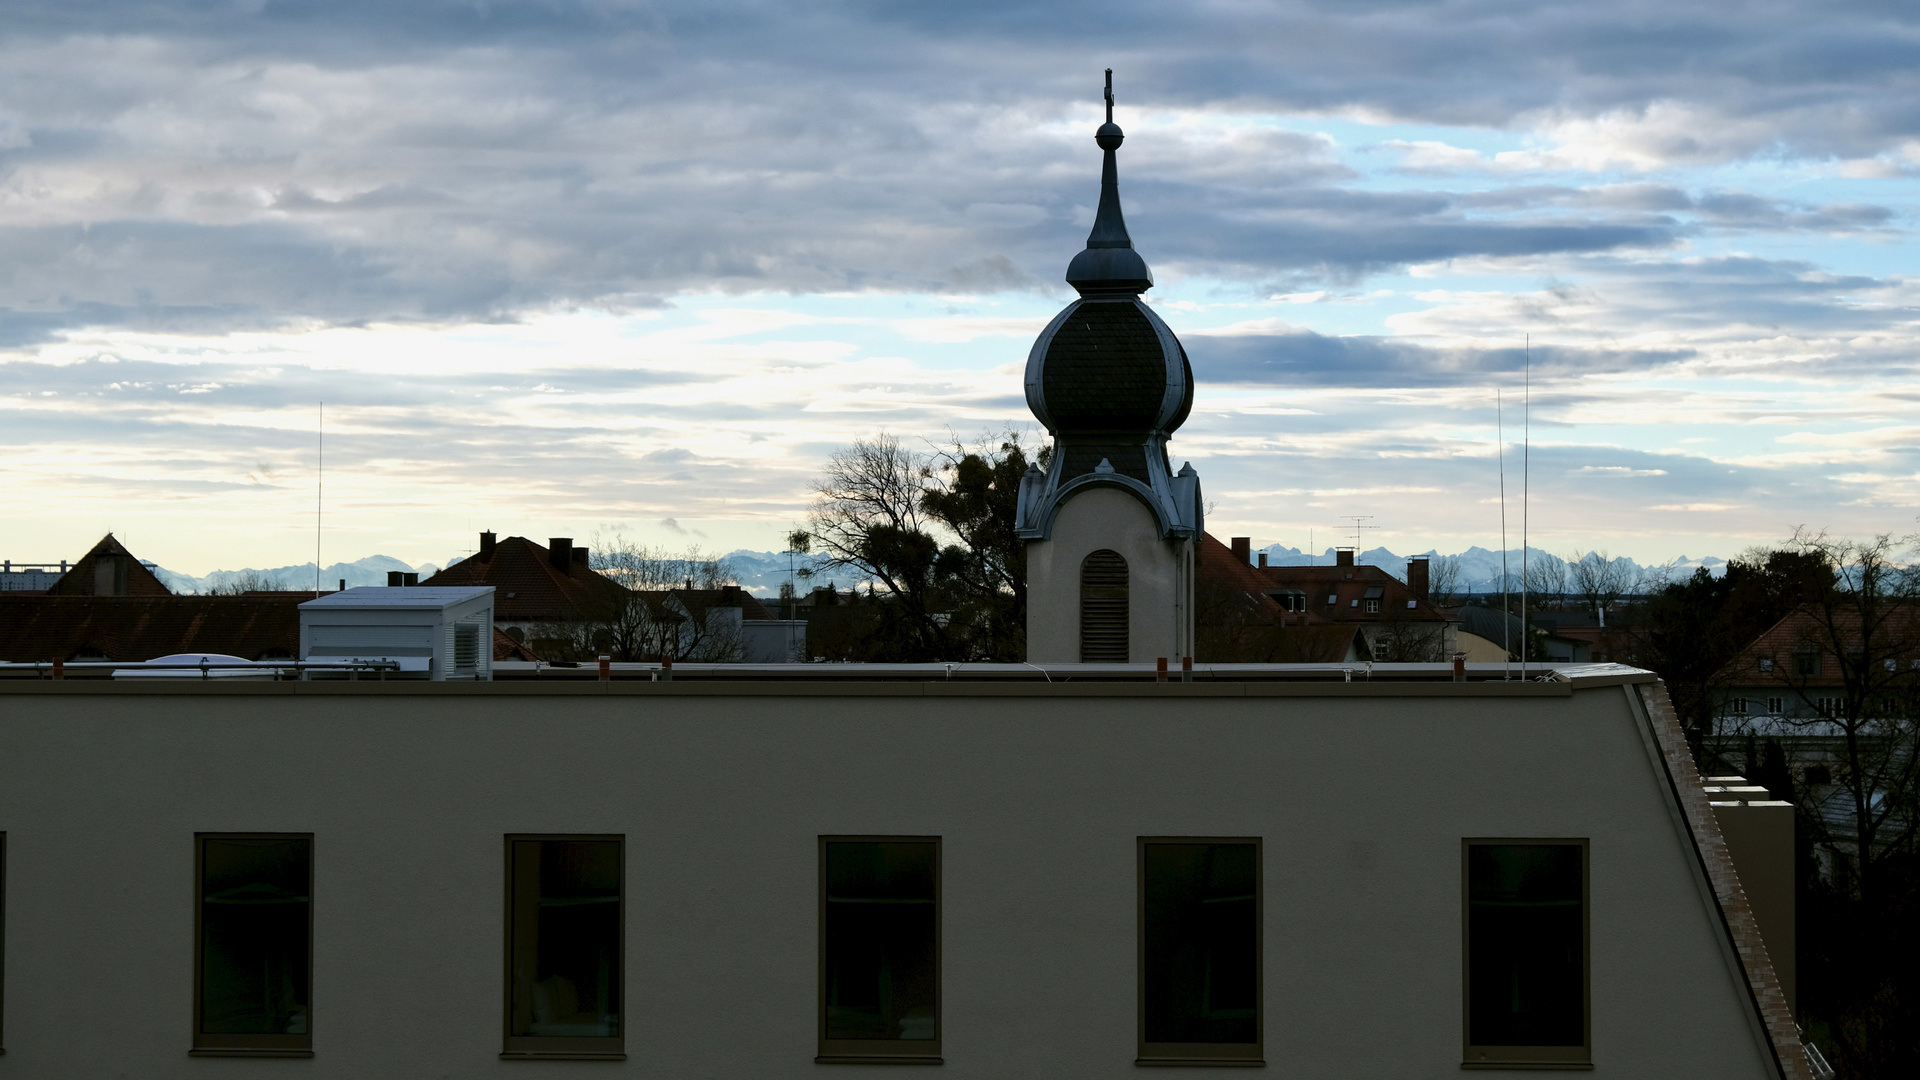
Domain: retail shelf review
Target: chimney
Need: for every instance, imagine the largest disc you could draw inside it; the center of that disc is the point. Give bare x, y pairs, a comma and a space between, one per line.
395, 579
1417, 576
580, 557
1263, 560
343, 585
409, 579
560, 552
1243, 549
486, 546
1343, 556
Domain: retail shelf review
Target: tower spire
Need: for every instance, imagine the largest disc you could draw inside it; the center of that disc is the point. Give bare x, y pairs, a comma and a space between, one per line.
1109, 265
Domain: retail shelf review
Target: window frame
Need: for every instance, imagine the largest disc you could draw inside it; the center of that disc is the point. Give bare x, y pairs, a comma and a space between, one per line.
224, 1045
1527, 1057
1201, 1054
562, 1047
3, 940
880, 1051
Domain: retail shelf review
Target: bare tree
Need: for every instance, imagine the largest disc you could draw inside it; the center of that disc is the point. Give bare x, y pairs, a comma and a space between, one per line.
1855, 662
1546, 578
665, 608
1443, 581
1598, 579
246, 581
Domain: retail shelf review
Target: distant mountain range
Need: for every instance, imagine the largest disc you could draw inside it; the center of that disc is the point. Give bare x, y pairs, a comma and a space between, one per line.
763, 572
371, 570
1480, 569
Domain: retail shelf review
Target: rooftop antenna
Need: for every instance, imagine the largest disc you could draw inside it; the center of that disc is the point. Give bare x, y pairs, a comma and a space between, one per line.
1357, 526
1506, 579
1526, 455
319, 479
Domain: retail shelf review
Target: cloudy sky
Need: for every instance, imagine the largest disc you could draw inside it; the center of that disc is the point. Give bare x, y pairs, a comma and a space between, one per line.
563, 266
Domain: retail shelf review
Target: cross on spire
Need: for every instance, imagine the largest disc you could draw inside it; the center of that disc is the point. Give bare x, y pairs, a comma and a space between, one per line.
1109, 95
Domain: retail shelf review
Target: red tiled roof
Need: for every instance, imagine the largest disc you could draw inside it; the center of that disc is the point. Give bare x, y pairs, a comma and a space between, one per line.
42, 627
109, 564
1896, 639
1348, 584
527, 586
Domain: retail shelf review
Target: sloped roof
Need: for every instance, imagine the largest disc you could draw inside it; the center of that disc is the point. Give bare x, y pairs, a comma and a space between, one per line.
1215, 564
1348, 585
83, 577
138, 628
1896, 639
505, 648
527, 586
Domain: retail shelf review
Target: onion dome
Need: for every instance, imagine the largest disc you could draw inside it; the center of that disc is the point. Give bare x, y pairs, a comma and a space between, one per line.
1108, 377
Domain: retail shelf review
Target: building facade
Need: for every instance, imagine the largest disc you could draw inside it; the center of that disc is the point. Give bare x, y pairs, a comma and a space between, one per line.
731, 877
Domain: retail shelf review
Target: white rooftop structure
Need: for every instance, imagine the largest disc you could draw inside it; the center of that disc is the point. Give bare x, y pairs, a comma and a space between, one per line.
433, 633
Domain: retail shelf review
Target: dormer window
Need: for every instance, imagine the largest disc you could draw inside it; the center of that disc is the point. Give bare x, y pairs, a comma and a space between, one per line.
1290, 600
1372, 599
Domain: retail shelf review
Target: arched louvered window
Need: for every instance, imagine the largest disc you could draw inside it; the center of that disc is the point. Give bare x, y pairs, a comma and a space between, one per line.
1103, 608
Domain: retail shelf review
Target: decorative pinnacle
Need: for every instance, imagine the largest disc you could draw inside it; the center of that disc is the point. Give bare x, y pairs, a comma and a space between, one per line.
1109, 265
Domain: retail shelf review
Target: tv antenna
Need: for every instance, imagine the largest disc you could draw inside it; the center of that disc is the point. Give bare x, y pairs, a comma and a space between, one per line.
1359, 521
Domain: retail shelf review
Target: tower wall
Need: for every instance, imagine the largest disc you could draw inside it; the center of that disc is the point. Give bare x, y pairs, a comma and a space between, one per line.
1160, 579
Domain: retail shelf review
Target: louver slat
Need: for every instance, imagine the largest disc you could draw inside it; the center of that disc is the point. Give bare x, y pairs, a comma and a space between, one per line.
1103, 608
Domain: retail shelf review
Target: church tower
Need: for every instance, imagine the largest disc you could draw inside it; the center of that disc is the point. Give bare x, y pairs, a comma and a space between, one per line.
1110, 528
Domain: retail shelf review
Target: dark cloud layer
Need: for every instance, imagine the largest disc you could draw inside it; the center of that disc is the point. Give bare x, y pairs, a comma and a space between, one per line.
254, 162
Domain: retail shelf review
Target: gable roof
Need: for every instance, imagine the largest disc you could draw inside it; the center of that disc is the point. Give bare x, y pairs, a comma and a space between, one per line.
529, 587
108, 570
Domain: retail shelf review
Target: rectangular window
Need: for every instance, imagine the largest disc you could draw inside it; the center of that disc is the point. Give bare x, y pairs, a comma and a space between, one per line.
253, 944
1525, 922
1737, 707
1776, 706
1200, 951
565, 944
880, 949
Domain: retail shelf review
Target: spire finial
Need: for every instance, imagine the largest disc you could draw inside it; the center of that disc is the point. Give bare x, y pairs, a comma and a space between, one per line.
1109, 265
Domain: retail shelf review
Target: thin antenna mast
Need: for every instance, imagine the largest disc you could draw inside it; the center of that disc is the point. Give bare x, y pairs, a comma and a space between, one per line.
1506, 579
1526, 458
1357, 526
319, 480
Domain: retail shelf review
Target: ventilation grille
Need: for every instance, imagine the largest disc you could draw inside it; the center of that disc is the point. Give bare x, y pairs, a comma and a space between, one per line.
1103, 608
466, 646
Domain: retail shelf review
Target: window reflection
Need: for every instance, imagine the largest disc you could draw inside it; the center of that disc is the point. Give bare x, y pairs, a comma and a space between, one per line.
566, 938
881, 976
1201, 943
255, 920
1526, 938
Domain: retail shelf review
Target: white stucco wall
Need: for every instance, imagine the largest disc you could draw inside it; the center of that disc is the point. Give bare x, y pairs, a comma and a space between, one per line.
1038, 791
1160, 580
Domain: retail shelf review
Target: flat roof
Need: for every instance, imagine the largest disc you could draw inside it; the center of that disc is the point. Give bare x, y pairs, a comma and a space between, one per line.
387, 597
927, 680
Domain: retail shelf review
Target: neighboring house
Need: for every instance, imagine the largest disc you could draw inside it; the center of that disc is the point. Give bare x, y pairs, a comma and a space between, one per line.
258, 626
1387, 617
723, 625
1239, 619
545, 597
29, 577
110, 570
110, 606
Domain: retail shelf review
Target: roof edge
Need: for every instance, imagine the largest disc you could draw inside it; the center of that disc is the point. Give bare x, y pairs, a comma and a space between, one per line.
1768, 1000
